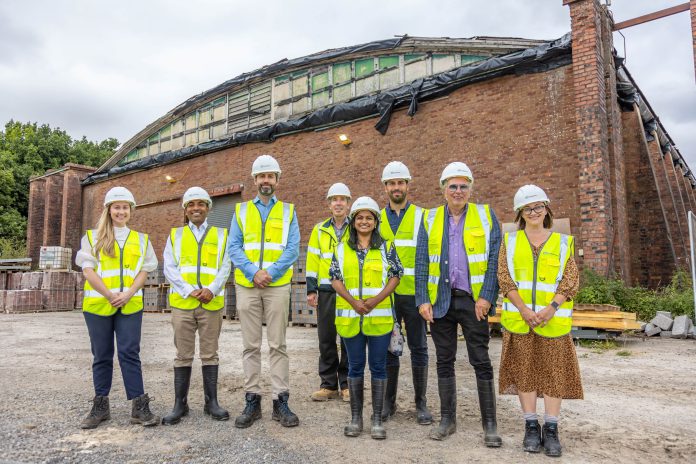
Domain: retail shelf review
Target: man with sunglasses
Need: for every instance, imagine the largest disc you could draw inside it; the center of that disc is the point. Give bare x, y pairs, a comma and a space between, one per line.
457, 284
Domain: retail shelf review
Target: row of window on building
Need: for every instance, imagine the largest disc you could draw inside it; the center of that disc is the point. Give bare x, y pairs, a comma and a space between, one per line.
294, 94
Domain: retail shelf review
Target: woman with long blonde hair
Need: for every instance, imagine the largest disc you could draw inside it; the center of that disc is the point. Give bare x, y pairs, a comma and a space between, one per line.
115, 261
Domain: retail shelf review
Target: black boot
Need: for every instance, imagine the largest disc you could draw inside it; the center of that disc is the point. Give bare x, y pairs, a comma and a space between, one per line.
282, 412
210, 378
532, 436
356, 387
378, 388
420, 385
389, 408
486, 395
182, 379
447, 388
251, 413
140, 412
100, 412
552, 446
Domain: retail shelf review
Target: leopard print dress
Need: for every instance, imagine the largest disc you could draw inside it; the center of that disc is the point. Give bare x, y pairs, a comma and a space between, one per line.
530, 362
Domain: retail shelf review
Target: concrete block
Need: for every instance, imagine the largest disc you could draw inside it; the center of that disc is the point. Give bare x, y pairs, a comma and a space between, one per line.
664, 313
692, 332
663, 322
643, 325
666, 334
681, 326
652, 329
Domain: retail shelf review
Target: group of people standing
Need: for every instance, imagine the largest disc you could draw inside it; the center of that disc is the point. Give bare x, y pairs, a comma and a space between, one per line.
367, 270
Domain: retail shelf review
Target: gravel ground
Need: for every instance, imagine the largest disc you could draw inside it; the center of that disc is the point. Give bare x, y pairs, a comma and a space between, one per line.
638, 408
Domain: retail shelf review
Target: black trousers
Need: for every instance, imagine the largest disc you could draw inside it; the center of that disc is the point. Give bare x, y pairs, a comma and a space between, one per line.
444, 333
332, 369
407, 313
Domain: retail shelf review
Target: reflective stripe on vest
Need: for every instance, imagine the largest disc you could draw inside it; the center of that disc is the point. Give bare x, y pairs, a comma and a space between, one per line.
537, 281
477, 233
320, 250
405, 241
198, 264
363, 282
117, 273
264, 241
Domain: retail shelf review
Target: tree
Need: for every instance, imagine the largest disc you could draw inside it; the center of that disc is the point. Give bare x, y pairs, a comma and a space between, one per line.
27, 149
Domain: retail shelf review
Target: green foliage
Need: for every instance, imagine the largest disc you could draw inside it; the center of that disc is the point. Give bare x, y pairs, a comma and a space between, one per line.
624, 353
27, 149
677, 297
598, 346
12, 248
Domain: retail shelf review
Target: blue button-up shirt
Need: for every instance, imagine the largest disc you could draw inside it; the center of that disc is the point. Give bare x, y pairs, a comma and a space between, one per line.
489, 290
235, 245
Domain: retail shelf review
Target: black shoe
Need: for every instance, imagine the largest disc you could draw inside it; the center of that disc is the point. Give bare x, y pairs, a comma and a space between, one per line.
99, 413
486, 395
356, 387
378, 387
552, 446
447, 388
251, 413
389, 408
532, 436
182, 379
210, 379
282, 412
140, 412
420, 385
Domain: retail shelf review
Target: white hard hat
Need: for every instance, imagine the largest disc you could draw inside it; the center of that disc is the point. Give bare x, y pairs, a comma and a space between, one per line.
337, 189
196, 193
265, 163
456, 169
529, 194
364, 203
119, 194
395, 170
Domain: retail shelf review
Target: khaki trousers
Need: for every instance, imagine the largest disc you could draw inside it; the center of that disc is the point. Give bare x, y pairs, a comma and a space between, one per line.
208, 324
254, 305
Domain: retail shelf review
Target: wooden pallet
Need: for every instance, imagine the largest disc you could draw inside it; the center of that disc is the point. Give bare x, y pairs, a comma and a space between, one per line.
602, 319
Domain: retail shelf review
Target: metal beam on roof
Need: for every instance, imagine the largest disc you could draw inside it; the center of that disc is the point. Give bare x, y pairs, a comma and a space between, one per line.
652, 16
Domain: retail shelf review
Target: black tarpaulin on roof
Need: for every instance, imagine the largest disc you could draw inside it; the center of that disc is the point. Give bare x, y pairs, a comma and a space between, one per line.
543, 58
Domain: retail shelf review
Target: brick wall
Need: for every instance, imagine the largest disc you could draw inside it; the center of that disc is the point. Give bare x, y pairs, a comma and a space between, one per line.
35, 222
693, 30
651, 254
511, 131
53, 210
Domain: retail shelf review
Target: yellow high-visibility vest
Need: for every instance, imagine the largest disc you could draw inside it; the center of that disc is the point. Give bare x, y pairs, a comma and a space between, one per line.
363, 283
117, 273
198, 264
264, 242
537, 281
320, 250
477, 231
405, 241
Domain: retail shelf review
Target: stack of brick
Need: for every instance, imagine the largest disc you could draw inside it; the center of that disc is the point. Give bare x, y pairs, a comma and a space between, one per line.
664, 326
3, 281
31, 281
14, 280
58, 290
154, 299
230, 301
2, 300
22, 301
79, 289
155, 278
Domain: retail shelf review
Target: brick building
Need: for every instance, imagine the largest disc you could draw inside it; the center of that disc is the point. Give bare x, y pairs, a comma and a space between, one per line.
565, 115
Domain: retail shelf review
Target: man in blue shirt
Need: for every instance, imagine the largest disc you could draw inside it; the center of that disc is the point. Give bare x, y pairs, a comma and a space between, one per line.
264, 242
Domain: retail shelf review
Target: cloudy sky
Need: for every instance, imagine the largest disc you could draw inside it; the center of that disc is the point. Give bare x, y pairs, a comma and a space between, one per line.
107, 69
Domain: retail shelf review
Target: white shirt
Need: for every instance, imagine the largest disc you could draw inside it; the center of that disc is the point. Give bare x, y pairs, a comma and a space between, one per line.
171, 267
85, 257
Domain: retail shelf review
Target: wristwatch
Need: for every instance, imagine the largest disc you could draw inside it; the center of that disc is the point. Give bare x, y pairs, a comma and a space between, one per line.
555, 305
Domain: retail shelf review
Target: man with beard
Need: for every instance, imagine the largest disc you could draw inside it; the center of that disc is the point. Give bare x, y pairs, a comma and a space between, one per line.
264, 243
197, 267
399, 225
325, 237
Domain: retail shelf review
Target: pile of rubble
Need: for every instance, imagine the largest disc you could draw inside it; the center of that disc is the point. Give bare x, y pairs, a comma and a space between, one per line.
664, 325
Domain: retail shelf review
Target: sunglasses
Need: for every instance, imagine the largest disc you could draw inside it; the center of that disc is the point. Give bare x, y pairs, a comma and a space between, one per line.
455, 187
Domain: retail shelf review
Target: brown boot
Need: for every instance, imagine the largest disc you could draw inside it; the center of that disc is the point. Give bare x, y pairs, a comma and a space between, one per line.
140, 413
99, 413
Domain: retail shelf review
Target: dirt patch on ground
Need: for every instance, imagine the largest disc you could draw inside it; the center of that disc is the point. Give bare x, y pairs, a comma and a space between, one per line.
638, 407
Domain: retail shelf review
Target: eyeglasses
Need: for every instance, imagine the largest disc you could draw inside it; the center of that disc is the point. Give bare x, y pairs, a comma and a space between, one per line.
455, 187
536, 210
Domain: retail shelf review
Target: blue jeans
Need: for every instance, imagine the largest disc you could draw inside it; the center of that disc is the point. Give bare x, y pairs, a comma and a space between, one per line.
101, 335
376, 355
407, 313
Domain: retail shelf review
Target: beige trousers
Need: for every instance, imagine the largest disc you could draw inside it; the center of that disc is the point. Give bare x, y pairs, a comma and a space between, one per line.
254, 305
208, 324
